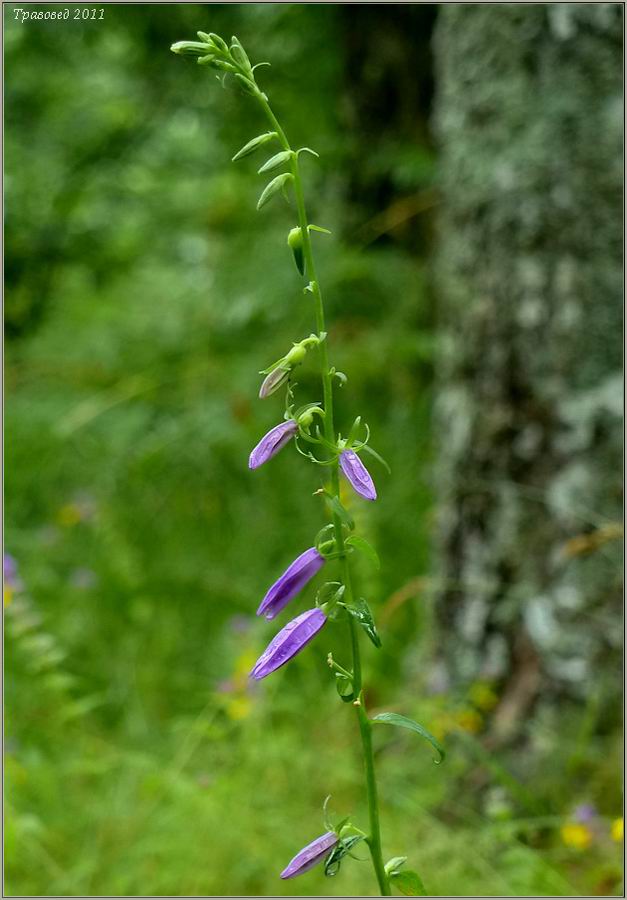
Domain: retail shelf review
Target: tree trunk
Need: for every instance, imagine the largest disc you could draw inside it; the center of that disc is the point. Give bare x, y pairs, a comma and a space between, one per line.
529, 280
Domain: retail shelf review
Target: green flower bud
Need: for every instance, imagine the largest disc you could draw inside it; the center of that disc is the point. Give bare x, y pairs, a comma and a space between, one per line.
219, 42
295, 243
296, 355
189, 48
306, 419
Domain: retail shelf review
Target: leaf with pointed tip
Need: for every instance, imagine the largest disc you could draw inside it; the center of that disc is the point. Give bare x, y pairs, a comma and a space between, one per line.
364, 547
379, 458
408, 883
273, 187
404, 722
342, 513
253, 145
275, 161
360, 611
319, 229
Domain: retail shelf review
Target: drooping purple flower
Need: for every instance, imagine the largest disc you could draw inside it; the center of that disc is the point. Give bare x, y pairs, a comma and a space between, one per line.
291, 582
271, 443
358, 474
288, 642
310, 855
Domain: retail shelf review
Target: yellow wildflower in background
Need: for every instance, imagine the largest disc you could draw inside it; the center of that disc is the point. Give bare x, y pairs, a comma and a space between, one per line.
483, 695
8, 593
617, 830
576, 835
69, 515
469, 720
238, 708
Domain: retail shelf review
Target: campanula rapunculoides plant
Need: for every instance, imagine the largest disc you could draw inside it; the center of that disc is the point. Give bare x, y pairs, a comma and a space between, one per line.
310, 428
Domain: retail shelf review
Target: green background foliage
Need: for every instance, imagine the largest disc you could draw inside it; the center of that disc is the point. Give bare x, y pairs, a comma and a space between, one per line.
143, 295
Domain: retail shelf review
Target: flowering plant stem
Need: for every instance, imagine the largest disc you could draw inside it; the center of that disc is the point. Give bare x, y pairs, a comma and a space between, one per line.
341, 453
365, 729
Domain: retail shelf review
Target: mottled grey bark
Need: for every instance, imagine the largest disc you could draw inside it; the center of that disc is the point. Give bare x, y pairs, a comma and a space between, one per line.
529, 291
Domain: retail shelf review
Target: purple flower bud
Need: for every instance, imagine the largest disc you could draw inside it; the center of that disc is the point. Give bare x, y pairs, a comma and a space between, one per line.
271, 443
357, 474
9, 568
273, 381
288, 642
291, 582
310, 855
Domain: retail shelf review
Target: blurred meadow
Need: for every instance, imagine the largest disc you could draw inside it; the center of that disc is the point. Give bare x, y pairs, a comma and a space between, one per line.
143, 294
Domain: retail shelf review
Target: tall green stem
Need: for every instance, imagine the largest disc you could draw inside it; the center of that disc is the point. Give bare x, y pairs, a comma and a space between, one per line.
365, 728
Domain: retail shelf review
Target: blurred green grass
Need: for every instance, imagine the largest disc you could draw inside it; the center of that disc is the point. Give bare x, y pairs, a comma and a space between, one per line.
143, 297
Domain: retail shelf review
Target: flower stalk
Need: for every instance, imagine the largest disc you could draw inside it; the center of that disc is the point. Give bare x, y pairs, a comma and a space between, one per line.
335, 541
374, 838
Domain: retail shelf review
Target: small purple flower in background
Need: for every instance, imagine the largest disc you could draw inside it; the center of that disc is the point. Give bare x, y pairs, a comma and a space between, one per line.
9, 570
310, 855
288, 642
291, 582
83, 578
271, 443
584, 813
357, 474
239, 624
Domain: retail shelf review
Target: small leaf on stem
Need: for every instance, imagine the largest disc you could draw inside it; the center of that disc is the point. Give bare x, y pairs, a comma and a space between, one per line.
360, 611
364, 547
403, 722
408, 883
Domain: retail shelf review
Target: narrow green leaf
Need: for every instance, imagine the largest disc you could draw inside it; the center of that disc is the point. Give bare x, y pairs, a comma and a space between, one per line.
364, 547
408, 883
319, 228
275, 161
360, 611
253, 145
339, 510
273, 187
404, 722
379, 458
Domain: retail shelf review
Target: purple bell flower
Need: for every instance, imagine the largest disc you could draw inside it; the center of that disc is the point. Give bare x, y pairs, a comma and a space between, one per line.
357, 474
291, 582
271, 443
310, 855
288, 642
